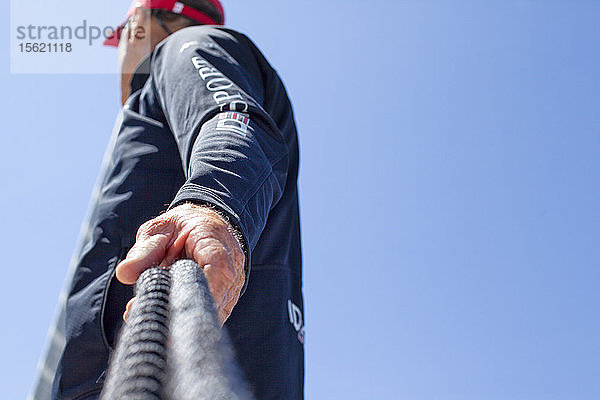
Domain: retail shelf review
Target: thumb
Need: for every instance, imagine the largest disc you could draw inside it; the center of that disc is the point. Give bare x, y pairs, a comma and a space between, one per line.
144, 254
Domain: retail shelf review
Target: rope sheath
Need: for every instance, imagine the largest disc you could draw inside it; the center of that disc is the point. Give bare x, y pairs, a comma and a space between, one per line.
171, 347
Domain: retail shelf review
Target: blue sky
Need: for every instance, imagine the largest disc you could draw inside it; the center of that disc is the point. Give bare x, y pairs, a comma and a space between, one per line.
449, 191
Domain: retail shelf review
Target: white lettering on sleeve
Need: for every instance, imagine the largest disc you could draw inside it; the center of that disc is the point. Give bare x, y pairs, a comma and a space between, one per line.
220, 84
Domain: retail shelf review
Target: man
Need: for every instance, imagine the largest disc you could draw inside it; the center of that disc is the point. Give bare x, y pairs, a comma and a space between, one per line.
202, 165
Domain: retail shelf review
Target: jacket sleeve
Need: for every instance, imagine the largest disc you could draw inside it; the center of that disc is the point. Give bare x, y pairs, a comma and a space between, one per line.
211, 92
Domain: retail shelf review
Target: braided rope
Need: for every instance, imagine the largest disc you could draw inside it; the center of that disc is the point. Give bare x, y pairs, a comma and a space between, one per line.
171, 347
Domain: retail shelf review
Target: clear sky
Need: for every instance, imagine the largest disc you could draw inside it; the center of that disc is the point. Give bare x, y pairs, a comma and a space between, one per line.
449, 190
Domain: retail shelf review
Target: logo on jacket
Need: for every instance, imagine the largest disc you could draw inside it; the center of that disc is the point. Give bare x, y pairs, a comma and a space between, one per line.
234, 122
295, 315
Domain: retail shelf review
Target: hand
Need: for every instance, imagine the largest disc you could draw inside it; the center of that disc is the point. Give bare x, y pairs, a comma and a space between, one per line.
194, 232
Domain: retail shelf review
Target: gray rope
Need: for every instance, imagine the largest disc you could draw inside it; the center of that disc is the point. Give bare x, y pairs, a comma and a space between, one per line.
209, 371
137, 369
171, 347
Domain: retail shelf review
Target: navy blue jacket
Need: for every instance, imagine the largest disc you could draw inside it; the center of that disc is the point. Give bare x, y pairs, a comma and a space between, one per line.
209, 122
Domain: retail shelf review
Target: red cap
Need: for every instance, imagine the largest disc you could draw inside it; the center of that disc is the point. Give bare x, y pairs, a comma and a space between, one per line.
170, 5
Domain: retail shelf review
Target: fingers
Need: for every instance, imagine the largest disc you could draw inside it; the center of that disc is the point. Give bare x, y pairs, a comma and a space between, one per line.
142, 256
153, 242
177, 249
127, 308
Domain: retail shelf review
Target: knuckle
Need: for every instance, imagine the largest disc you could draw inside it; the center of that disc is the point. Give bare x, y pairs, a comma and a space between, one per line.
143, 229
155, 225
147, 228
213, 248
